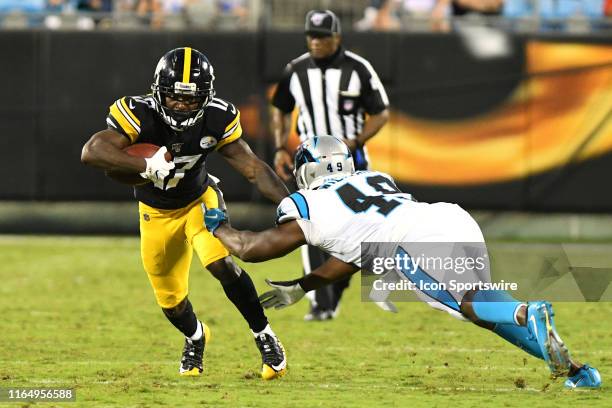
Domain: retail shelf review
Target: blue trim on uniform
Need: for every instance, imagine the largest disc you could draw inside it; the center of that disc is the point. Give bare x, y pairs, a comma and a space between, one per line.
420, 277
312, 156
301, 204
316, 141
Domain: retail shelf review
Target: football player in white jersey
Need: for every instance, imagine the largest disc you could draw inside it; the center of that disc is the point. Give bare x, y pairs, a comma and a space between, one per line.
338, 209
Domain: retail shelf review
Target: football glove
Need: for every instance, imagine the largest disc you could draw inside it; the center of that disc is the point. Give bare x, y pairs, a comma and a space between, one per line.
213, 218
283, 295
157, 167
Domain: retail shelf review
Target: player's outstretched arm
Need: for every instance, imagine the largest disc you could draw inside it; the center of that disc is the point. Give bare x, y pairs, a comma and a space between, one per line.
286, 293
332, 270
240, 156
103, 150
255, 246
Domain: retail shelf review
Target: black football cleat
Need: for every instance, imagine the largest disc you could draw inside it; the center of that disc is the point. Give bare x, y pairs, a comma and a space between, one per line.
273, 359
193, 354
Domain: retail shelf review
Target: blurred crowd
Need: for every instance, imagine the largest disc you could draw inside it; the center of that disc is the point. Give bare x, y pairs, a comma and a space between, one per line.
124, 14
381, 15
445, 15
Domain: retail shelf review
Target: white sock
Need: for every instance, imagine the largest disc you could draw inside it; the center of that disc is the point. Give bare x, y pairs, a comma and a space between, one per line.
198, 333
266, 330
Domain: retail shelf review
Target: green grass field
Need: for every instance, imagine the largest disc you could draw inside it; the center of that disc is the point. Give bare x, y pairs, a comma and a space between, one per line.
79, 313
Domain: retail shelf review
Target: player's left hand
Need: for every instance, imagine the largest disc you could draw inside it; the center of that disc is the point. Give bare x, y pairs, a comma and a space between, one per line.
283, 295
213, 218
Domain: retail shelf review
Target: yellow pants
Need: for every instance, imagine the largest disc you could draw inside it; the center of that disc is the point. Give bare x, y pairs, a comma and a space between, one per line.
167, 240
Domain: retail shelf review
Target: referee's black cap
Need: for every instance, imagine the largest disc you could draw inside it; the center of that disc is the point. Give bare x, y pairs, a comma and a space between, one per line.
322, 23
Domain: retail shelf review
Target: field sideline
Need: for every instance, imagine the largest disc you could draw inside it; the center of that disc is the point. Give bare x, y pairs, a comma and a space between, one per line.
79, 312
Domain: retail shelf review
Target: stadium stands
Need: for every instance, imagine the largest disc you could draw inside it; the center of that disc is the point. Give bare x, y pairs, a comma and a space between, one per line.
383, 15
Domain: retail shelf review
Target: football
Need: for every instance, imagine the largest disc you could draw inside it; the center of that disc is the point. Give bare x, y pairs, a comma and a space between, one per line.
144, 150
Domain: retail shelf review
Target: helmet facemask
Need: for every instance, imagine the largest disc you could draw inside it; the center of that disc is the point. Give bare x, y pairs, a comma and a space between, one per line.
187, 93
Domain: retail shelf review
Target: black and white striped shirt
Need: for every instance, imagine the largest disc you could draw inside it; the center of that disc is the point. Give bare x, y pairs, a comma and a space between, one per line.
332, 99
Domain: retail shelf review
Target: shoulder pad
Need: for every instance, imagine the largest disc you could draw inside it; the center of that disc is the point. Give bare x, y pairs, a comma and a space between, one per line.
387, 176
293, 207
223, 121
221, 105
125, 115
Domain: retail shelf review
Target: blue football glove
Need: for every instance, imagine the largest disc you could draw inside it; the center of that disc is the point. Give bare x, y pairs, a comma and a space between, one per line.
213, 218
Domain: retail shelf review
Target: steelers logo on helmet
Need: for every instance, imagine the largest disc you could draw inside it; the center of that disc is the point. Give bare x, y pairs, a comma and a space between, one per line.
186, 76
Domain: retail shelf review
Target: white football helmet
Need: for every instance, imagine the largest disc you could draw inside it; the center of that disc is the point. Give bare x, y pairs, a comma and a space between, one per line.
319, 158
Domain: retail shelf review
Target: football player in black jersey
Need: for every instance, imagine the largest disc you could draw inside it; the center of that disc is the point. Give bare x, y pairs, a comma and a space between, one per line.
182, 115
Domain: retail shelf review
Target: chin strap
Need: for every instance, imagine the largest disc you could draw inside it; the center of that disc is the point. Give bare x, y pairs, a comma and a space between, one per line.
172, 122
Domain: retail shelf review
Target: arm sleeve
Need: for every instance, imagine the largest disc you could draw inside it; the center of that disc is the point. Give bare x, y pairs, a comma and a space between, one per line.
124, 116
282, 98
373, 96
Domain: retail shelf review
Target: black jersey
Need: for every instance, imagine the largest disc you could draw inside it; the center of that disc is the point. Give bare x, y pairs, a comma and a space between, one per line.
135, 117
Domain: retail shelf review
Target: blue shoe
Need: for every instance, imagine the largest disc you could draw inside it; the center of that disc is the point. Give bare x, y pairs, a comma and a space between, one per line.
542, 327
587, 377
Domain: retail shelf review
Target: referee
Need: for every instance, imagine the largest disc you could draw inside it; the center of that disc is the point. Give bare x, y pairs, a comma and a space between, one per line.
337, 93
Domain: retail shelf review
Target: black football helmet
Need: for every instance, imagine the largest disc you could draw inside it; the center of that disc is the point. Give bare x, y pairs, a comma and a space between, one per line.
183, 74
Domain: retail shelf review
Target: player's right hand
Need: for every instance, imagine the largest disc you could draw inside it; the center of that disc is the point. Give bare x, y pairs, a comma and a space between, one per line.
283, 295
282, 162
157, 166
